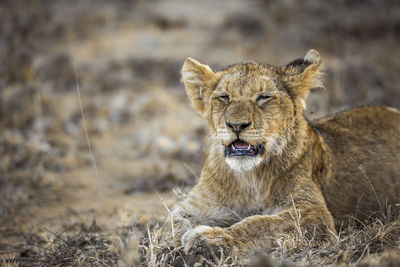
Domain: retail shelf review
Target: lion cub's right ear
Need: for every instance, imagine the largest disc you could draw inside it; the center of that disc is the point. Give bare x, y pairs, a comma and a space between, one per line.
198, 79
303, 74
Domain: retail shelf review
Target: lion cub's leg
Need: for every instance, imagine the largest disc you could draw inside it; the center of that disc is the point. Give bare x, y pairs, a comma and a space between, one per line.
193, 211
264, 231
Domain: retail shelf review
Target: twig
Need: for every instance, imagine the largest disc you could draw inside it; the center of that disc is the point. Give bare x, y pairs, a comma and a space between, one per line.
92, 157
372, 187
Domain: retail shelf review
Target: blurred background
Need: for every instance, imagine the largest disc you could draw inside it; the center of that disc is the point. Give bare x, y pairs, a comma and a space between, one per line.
146, 138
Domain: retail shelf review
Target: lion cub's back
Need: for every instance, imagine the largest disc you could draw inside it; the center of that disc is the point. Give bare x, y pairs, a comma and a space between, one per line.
365, 143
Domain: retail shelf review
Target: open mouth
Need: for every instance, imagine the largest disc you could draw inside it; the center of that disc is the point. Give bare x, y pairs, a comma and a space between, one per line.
242, 148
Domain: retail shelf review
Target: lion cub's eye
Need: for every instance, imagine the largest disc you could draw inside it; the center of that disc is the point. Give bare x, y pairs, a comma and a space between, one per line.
224, 98
263, 98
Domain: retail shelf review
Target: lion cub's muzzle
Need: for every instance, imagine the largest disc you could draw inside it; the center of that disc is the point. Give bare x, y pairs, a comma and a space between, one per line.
242, 148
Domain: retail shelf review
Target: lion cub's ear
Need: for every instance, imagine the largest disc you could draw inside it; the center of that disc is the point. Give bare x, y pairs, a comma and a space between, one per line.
197, 79
303, 74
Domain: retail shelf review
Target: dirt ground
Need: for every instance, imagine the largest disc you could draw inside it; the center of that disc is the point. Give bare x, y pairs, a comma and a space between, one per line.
147, 143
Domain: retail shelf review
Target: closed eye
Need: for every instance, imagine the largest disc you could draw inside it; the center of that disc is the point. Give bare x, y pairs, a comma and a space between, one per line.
263, 97
224, 98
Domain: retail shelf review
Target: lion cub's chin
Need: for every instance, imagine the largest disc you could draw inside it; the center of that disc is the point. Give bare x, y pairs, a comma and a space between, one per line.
243, 163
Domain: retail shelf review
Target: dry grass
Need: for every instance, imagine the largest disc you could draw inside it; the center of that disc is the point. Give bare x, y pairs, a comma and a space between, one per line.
86, 248
370, 243
375, 243
353, 244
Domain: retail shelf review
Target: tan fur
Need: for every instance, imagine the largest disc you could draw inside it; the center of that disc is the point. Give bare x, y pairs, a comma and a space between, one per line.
311, 175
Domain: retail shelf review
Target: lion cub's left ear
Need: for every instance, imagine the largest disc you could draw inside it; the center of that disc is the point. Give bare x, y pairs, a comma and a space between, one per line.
198, 79
303, 74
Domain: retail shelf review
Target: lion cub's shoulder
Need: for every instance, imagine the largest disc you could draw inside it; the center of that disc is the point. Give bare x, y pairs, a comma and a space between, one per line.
363, 121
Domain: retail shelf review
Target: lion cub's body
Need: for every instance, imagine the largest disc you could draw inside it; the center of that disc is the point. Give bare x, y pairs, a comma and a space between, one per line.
365, 148
270, 173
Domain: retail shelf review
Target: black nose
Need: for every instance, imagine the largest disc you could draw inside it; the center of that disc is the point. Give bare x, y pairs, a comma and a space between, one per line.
239, 126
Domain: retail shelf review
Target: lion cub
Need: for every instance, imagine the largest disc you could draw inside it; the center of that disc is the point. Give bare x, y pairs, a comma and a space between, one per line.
271, 173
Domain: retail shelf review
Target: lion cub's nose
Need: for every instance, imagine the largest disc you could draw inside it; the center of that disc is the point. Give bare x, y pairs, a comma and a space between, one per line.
237, 127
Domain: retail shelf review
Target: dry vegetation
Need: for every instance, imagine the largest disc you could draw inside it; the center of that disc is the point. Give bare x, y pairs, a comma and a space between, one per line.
375, 242
146, 139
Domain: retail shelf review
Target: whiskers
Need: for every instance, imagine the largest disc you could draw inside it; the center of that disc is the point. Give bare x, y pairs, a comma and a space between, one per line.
274, 143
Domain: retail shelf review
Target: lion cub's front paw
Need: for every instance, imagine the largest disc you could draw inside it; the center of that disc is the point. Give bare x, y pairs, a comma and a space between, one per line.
205, 236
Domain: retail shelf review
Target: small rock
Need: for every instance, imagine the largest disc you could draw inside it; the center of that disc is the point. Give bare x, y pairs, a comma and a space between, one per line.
166, 144
118, 105
101, 125
189, 145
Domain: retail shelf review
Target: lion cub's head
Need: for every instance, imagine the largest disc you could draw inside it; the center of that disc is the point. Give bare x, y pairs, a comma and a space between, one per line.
251, 108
